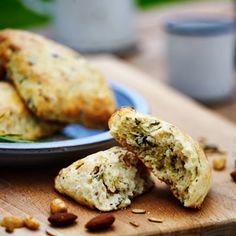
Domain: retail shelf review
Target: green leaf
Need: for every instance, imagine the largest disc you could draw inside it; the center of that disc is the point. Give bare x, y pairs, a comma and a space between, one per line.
11, 138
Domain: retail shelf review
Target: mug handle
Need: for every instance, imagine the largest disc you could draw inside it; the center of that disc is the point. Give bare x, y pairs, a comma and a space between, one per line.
38, 6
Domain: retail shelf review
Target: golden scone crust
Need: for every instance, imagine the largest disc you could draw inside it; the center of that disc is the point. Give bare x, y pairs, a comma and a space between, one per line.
106, 180
172, 156
15, 118
55, 81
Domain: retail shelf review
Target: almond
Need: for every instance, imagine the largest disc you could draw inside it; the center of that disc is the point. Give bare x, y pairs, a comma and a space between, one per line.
62, 219
233, 175
100, 222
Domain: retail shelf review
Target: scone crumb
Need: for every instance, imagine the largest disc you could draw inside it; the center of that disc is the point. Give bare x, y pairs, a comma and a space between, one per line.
155, 220
57, 205
138, 211
12, 222
31, 223
133, 223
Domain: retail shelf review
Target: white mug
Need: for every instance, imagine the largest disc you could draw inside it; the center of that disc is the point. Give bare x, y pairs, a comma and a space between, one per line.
89, 25
201, 57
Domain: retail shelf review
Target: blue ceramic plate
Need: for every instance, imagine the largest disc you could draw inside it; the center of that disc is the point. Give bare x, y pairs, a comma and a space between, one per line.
73, 142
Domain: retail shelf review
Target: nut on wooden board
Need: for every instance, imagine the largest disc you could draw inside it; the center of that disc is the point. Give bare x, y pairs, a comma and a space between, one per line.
219, 163
61, 219
100, 222
58, 205
10, 223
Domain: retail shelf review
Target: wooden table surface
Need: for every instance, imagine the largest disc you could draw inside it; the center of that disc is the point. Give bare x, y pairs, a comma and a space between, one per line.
149, 55
28, 191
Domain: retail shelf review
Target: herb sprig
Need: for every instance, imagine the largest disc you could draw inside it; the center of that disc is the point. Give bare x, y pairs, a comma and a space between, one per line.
13, 138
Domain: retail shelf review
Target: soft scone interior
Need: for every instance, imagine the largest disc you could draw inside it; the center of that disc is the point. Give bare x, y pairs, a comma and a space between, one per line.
106, 180
171, 155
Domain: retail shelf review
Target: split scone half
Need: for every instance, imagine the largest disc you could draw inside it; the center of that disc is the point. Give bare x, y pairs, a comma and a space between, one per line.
106, 180
172, 156
16, 119
55, 82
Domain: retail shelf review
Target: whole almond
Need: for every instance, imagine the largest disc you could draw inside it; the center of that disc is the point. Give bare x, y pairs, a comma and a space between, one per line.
100, 222
233, 175
62, 219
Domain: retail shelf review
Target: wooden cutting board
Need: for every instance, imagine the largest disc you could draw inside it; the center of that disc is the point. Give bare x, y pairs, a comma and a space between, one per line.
29, 191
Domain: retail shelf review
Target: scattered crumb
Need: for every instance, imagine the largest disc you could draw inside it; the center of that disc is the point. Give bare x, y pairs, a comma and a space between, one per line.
52, 232
155, 220
138, 211
133, 223
212, 149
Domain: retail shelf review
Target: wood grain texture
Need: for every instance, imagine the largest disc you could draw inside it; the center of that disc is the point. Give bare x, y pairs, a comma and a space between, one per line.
29, 191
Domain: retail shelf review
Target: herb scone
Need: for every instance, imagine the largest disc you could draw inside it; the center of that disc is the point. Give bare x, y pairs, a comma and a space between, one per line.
106, 180
172, 156
55, 82
16, 119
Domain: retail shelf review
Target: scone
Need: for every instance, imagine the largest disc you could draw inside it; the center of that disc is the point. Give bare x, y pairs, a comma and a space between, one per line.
172, 156
56, 82
106, 180
15, 118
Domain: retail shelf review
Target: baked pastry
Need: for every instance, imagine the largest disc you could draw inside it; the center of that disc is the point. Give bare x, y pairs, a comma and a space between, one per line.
172, 156
106, 180
16, 119
56, 82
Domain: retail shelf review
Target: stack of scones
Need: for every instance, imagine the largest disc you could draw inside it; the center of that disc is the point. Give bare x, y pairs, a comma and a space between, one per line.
45, 85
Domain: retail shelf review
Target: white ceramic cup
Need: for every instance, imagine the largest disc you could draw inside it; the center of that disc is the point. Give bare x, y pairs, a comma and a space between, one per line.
201, 57
89, 25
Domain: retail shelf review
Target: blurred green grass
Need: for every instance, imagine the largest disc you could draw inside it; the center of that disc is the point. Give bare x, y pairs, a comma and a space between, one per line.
14, 15
147, 4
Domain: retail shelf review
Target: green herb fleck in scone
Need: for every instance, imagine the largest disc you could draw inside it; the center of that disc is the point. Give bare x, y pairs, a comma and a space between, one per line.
106, 180
172, 156
16, 121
